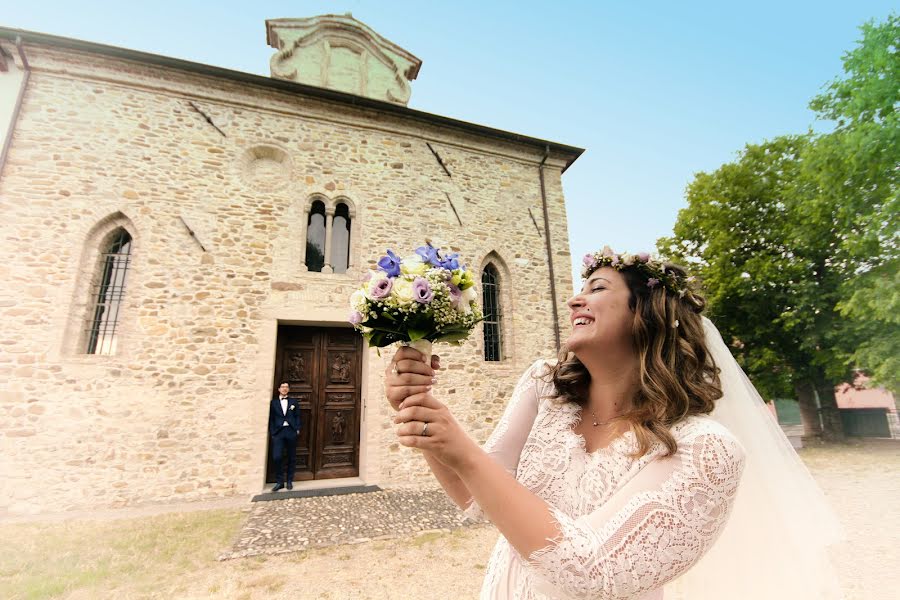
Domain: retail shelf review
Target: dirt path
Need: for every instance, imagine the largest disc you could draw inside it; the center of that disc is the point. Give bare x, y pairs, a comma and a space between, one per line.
862, 481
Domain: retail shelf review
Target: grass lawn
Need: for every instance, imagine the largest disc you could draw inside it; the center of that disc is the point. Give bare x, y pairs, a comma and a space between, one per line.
105, 558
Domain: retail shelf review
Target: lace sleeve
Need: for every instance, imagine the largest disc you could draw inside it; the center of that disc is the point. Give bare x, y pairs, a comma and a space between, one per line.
507, 440
651, 531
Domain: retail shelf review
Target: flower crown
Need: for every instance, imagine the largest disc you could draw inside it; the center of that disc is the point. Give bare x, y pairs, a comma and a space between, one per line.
654, 268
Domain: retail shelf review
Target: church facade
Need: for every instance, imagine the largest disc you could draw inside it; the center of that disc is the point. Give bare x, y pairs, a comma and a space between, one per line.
177, 239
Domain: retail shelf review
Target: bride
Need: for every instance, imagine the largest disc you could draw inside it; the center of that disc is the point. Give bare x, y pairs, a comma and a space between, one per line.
642, 464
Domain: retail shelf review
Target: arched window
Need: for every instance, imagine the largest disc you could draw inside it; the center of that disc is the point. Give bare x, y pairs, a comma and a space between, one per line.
109, 294
340, 239
315, 237
490, 294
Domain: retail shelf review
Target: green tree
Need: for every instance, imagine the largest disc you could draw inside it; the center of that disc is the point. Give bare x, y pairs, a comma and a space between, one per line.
797, 240
857, 167
772, 291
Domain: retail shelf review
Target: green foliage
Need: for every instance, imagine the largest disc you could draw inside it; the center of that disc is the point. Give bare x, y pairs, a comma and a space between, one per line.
868, 91
739, 231
875, 305
858, 167
797, 240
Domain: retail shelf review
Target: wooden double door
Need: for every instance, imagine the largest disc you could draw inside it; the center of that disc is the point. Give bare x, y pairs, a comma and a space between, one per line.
323, 367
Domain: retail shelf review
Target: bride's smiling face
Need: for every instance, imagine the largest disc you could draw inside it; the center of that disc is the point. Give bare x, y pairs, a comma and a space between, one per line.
600, 315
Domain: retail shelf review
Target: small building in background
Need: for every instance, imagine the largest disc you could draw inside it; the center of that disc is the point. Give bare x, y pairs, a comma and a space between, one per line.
867, 411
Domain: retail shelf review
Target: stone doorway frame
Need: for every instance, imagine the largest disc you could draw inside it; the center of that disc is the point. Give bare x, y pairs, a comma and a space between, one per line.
370, 411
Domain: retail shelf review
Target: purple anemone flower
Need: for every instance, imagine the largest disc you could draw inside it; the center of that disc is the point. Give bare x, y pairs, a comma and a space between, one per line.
382, 288
355, 317
422, 292
652, 282
643, 256
588, 260
390, 264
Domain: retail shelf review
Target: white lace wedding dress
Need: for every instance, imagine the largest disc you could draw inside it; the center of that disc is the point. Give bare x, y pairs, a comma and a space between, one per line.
628, 526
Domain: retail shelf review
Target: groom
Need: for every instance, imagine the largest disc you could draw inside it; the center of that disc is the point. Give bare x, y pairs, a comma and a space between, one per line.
284, 429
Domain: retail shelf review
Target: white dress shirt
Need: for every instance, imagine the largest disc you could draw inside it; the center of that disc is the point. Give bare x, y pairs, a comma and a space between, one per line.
284, 409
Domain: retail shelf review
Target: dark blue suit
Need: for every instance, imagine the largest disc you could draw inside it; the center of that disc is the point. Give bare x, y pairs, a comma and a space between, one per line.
284, 437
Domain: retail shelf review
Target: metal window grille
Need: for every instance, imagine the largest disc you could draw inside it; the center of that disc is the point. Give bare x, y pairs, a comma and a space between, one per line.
108, 294
491, 308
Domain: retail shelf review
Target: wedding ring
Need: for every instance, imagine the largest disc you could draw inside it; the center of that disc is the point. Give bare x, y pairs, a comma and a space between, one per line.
394, 369
424, 429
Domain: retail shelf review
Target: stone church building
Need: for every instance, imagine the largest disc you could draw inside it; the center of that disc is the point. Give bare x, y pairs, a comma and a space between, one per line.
177, 238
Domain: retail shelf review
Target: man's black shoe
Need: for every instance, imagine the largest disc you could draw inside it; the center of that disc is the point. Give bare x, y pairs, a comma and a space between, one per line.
290, 485
277, 487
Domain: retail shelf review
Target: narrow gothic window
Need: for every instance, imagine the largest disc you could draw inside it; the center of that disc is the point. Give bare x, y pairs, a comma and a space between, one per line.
109, 294
315, 237
491, 308
340, 239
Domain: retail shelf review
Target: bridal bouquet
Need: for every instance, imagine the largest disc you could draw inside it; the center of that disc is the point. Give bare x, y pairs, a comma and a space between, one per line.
424, 298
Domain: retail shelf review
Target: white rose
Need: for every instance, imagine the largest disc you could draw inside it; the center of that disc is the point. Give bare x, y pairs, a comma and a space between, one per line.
466, 297
413, 265
358, 301
402, 290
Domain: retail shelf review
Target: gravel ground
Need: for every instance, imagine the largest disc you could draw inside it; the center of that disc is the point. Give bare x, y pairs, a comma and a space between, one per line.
862, 480
293, 524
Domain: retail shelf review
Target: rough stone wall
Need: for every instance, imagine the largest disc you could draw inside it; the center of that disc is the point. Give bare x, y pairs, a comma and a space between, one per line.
179, 412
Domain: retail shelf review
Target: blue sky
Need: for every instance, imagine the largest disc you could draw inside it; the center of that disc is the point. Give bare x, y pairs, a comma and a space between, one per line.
655, 91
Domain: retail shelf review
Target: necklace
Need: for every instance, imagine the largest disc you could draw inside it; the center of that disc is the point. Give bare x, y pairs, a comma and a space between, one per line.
597, 423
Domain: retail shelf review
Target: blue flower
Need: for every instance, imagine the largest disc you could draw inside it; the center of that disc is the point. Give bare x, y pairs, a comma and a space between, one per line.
390, 264
429, 255
450, 261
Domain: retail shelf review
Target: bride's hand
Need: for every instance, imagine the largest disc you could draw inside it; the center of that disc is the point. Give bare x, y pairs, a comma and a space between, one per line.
407, 374
427, 424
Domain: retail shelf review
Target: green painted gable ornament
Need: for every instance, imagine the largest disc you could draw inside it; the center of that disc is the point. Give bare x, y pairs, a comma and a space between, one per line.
338, 52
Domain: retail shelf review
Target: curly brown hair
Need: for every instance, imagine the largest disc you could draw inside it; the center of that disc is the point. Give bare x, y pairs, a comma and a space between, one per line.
678, 377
